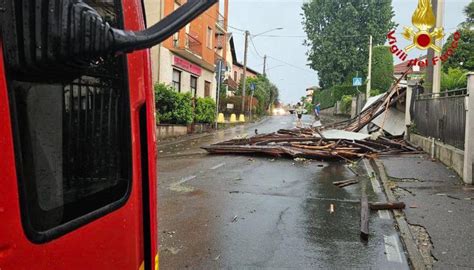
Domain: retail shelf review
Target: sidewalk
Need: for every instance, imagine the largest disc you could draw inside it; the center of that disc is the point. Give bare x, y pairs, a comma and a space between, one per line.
180, 139
440, 209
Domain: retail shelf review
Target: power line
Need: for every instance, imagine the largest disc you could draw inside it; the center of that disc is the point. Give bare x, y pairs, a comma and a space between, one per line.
291, 65
235, 28
345, 36
281, 61
228, 25
255, 48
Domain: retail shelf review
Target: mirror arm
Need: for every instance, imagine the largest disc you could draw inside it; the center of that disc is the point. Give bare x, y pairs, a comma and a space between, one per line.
73, 36
130, 41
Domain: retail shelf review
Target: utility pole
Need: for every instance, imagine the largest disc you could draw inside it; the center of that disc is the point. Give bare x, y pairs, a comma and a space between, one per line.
265, 65
369, 75
244, 79
437, 67
429, 55
219, 83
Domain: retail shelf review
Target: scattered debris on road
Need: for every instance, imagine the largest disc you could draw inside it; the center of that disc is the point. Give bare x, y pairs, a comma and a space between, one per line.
304, 143
331, 208
345, 183
387, 206
235, 219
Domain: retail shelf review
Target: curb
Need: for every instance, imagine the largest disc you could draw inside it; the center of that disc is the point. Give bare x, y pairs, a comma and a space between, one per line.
414, 256
202, 135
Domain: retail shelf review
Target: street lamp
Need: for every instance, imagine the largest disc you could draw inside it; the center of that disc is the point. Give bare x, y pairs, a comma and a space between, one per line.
244, 75
271, 30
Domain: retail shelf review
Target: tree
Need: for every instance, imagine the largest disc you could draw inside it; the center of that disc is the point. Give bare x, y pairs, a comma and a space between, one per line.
265, 92
338, 35
382, 68
463, 57
469, 11
455, 78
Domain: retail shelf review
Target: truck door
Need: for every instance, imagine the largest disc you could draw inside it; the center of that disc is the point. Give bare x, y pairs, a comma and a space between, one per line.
74, 193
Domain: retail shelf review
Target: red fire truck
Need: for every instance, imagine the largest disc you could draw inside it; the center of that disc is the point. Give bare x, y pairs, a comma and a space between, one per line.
77, 135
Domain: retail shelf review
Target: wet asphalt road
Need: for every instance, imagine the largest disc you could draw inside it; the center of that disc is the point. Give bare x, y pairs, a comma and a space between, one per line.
242, 212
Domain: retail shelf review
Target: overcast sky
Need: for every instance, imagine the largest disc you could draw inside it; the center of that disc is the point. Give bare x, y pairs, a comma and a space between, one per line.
287, 61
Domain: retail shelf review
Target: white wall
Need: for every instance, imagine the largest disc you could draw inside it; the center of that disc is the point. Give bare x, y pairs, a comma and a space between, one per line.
166, 75
153, 9
166, 70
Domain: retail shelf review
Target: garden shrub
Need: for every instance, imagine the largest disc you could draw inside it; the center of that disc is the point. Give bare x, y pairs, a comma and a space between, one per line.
346, 104
205, 110
173, 107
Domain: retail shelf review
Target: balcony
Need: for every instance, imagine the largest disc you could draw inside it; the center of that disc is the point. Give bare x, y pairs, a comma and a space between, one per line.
193, 44
220, 41
220, 23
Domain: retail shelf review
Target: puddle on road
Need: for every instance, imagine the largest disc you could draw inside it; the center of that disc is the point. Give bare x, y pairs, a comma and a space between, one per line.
180, 188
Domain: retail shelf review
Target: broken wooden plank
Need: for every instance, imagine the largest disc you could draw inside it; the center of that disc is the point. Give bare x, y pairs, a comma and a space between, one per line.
297, 144
341, 184
387, 206
364, 218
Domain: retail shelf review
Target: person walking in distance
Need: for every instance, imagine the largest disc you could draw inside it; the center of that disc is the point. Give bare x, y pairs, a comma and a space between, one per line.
317, 115
299, 113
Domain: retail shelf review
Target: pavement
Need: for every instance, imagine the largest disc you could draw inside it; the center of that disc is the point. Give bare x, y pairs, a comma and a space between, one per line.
440, 209
245, 212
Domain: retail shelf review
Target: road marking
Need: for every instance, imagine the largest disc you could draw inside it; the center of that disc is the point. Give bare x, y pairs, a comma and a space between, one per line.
384, 214
177, 186
184, 180
392, 249
373, 179
218, 166
375, 184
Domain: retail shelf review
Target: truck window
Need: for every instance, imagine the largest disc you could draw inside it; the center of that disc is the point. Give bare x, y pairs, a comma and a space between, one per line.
73, 143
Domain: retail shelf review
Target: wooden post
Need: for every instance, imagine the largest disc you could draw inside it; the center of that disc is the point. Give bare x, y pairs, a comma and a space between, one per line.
387, 206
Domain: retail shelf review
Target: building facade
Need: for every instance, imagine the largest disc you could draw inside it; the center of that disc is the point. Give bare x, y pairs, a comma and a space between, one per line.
237, 72
154, 13
310, 91
187, 60
415, 72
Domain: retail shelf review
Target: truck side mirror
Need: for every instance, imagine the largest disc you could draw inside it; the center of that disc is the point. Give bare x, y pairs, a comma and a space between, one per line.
46, 37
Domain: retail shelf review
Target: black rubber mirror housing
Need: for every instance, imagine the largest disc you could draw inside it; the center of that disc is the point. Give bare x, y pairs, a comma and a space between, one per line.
44, 38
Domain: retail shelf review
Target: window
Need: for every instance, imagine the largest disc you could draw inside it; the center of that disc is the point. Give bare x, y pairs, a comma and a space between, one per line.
209, 38
207, 89
177, 80
235, 76
73, 144
194, 81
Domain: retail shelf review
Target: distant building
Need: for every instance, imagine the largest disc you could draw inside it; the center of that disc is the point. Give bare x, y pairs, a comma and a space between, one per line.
310, 92
235, 77
414, 73
187, 60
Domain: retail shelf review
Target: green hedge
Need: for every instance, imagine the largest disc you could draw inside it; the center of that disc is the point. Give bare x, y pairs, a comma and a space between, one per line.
346, 104
329, 97
205, 110
177, 108
382, 69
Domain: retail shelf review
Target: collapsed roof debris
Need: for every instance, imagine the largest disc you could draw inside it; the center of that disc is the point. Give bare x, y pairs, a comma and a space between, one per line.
306, 143
337, 141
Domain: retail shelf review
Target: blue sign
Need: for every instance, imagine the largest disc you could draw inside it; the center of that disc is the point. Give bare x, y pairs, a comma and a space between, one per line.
252, 86
357, 81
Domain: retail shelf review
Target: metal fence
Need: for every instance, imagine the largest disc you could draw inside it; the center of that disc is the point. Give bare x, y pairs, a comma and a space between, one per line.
442, 116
